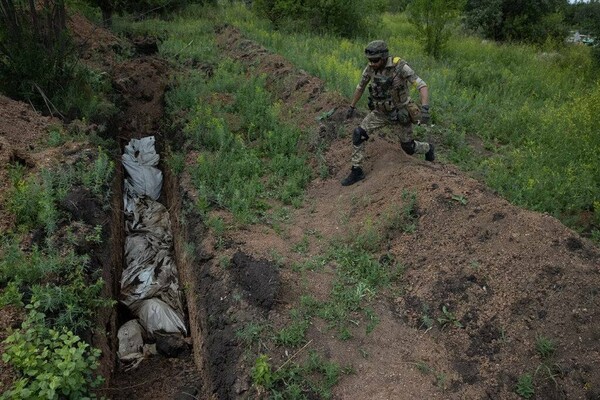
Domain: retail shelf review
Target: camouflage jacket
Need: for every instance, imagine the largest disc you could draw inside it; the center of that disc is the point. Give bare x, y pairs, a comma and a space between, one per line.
389, 88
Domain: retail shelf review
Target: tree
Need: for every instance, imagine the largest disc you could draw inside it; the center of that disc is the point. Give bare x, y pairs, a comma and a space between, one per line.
433, 19
35, 49
485, 17
341, 17
533, 21
585, 17
140, 8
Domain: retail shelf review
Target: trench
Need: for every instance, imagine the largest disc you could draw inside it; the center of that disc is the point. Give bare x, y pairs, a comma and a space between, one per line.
212, 367
163, 368
209, 361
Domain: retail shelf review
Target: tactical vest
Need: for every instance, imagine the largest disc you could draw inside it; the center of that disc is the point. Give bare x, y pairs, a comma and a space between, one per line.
383, 96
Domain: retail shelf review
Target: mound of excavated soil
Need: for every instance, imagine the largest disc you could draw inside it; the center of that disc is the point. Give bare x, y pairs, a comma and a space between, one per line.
509, 276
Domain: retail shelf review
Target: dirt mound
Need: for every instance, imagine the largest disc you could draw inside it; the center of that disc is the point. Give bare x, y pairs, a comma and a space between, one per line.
258, 278
96, 45
496, 278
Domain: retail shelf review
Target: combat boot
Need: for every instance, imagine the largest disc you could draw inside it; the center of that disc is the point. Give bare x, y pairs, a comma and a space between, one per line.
356, 174
430, 155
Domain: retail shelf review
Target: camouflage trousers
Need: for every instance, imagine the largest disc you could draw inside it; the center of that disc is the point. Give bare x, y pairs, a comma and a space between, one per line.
377, 119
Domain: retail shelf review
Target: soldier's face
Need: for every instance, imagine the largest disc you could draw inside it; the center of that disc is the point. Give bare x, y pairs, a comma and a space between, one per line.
376, 63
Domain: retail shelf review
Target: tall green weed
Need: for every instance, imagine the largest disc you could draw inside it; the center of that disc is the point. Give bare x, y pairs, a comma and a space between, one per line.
520, 100
558, 172
239, 167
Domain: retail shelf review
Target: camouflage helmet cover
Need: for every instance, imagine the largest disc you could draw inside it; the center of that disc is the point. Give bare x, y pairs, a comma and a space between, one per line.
376, 49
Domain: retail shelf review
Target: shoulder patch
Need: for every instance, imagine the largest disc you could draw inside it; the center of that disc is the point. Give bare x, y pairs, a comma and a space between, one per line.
398, 63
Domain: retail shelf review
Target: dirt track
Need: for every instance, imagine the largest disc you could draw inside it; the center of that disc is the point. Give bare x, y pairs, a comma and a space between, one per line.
509, 276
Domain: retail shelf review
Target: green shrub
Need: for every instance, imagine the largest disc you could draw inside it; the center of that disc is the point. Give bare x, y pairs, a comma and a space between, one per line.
433, 20
58, 282
240, 167
86, 96
545, 347
11, 295
53, 364
347, 18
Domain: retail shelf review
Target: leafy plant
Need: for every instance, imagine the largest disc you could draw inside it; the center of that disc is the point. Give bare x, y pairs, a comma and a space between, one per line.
262, 375
176, 161
240, 170
525, 387
53, 364
423, 367
58, 281
56, 137
11, 295
460, 199
293, 335
426, 320
301, 246
448, 318
314, 378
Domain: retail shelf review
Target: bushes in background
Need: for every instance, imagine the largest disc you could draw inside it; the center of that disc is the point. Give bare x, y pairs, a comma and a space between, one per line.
347, 18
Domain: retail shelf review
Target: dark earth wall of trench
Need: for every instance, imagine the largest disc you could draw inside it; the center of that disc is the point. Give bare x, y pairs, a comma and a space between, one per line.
187, 262
215, 311
211, 306
111, 260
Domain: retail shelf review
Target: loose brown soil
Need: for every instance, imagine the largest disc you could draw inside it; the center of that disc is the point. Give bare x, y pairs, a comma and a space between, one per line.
508, 275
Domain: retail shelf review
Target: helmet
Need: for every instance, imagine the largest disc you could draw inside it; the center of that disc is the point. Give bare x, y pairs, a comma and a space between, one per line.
376, 49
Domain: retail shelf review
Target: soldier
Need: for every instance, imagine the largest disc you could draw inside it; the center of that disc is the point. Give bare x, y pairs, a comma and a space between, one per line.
390, 104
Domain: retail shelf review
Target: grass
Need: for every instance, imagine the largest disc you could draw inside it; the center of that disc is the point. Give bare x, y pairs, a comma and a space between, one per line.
534, 113
506, 96
295, 380
251, 333
241, 170
547, 369
440, 378
359, 273
545, 347
52, 272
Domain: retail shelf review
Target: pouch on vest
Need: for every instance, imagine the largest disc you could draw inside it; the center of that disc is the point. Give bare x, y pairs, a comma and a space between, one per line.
400, 115
414, 111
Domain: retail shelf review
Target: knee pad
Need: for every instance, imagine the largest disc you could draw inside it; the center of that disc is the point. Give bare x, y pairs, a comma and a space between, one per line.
408, 147
359, 135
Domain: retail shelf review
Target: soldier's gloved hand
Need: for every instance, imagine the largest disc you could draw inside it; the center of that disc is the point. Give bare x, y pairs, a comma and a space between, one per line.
425, 116
350, 112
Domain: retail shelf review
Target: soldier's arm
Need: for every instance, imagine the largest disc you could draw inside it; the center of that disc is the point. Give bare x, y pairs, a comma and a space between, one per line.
357, 95
360, 88
418, 83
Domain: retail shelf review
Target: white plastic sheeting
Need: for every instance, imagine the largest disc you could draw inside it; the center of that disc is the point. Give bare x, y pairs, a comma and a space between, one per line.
144, 179
149, 283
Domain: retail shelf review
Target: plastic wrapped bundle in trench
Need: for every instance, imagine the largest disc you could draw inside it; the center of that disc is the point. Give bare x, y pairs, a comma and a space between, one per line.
149, 283
143, 177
